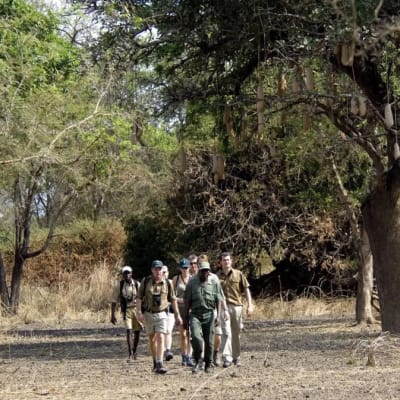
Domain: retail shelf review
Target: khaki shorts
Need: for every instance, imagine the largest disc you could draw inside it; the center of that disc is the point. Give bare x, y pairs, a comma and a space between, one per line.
131, 321
157, 322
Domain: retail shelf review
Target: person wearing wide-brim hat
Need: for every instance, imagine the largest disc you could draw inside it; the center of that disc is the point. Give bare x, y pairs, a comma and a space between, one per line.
202, 296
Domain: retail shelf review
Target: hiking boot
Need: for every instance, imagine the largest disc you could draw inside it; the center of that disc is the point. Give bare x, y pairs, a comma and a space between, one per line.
168, 355
216, 361
196, 368
160, 369
208, 368
227, 364
237, 362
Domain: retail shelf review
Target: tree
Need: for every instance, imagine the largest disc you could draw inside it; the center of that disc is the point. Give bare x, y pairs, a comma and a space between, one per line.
342, 56
42, 141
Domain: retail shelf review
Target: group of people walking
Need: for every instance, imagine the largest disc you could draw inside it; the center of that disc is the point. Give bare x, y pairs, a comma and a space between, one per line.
206, 306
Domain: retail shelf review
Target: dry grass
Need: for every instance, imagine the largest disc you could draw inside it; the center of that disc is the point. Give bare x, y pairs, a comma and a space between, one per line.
72, 299
89, 300
277, 309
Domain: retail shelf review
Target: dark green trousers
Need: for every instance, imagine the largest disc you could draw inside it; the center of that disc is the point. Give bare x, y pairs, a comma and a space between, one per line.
202, 330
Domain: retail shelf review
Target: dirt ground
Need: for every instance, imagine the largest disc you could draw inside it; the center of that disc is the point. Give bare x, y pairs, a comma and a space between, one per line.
306, 359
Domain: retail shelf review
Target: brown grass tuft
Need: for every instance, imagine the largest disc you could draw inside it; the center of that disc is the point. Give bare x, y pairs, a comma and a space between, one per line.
277, 309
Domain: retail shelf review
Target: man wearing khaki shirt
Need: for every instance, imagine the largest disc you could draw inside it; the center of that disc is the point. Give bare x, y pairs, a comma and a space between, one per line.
234, 284
155, 294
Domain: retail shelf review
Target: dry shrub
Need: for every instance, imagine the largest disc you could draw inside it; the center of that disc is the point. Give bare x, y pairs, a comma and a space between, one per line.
75, 251
74, 299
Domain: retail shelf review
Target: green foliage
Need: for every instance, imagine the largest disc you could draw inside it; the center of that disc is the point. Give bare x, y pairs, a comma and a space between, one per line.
149, 238
31, 51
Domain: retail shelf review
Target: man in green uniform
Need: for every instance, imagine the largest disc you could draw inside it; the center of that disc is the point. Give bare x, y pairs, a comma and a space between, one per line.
203, 294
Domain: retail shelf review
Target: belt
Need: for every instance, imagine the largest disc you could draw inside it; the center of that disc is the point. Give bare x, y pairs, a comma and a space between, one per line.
156, 312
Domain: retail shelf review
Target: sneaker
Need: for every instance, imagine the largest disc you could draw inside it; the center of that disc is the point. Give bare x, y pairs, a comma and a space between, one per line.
237, 362
227, 364
189, 362
184, 360
160, 369
168, 355
201, 364
196, 368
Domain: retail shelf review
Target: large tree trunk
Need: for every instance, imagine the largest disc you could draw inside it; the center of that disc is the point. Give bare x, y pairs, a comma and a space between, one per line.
381, 212
365, 278
365, 266
16, 285
5, 301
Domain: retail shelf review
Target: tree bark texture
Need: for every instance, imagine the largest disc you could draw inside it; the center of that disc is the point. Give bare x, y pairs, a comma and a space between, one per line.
365, 279
5, 301
381, 212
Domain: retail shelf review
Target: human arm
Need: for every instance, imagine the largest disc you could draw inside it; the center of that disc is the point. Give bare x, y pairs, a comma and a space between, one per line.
113, 318
218, 316
188, 306
178, 318
224, 310
139, 313
250, 307
179, 300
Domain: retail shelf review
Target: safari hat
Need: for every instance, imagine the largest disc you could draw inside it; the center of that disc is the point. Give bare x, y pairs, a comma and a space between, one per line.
204, 265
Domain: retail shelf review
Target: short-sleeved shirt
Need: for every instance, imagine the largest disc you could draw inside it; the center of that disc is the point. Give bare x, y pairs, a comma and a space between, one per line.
233, 284
126, 290
203, 296
156, 296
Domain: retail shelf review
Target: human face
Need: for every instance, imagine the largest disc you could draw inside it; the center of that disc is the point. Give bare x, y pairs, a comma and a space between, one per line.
184, 271
203, 274
157, 273
194, 269
127, 276
226, 263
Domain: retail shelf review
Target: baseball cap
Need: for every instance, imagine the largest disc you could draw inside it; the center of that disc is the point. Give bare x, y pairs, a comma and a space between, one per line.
204, 265
157, 264
126, 268
184, 263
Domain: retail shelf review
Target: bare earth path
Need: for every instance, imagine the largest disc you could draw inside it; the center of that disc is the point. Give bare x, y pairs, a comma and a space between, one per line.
308, 359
